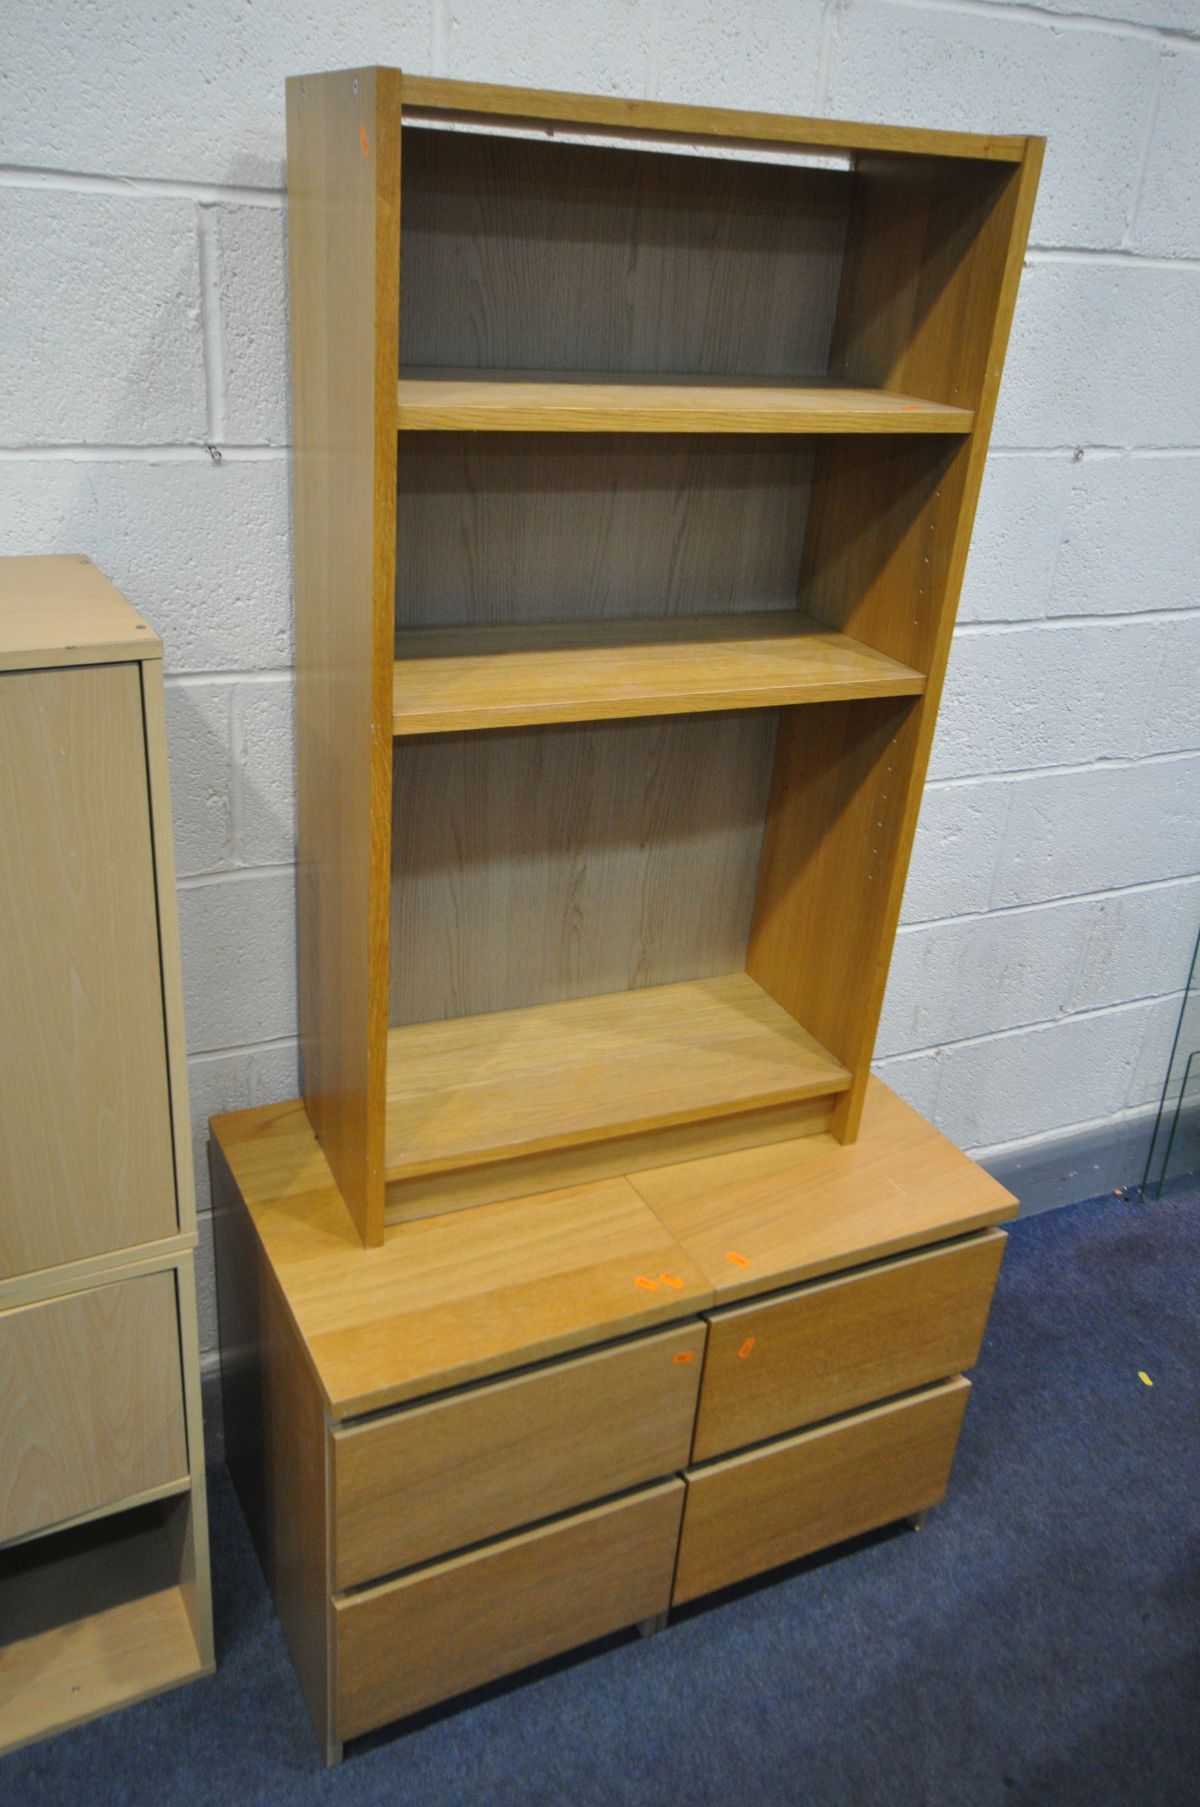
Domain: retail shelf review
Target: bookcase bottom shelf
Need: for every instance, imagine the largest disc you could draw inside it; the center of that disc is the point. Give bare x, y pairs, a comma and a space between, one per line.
90, 1620
471, 1091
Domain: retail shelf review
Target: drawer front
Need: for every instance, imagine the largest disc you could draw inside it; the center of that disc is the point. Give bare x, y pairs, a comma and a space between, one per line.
86, 1161
91, 1402
422, 1482
828, 1347
452, 1626
754, 1511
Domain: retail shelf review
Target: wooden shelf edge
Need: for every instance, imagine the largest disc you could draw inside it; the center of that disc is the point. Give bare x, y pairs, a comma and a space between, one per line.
95, 1270
166, 1490
566, 402
831, 1086
474, 678
669, 1055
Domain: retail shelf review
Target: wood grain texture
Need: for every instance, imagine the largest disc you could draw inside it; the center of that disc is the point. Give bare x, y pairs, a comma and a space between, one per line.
188, 1528
463, 1188
841, 772
84, 1107
61, 610
769, 1217
449, 1299
424, 1482
90, 1621
91, 1406
782, 1500
432, 95
800, 1356
154, 723
502, 677
275, 1434
501, 401
478, 1089
432, 1634
550, 527
932, 266
343, 252
94, 1270
544, 864
520, 255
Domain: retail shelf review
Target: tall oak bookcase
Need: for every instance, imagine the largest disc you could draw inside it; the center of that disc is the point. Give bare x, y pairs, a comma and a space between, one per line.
637, 448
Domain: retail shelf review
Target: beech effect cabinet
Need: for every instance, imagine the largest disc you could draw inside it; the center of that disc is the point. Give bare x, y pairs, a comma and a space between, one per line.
636, 455
104, 1591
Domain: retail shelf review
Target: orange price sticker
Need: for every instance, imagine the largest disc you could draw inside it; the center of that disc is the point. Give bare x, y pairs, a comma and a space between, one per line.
746, 1347
684, 1357
736, 1259
647, 1285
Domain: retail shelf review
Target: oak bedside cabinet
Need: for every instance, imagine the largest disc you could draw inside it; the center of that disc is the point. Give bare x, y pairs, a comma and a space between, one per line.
104, 1583
637, 449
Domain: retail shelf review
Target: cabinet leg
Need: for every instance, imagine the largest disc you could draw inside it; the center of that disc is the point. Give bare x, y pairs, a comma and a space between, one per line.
333, 1752
917, 1519
656, 1622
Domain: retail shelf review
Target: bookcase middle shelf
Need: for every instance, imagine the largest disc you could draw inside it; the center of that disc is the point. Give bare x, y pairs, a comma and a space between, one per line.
450, 679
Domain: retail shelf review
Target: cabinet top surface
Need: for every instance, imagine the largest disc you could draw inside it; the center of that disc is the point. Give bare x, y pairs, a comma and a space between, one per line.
473, 1293
63, 611
431, 97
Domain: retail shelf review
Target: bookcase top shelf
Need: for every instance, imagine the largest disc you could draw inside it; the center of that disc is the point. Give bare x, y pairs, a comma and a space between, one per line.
561, 402
429, 98
449, 679
470, 1090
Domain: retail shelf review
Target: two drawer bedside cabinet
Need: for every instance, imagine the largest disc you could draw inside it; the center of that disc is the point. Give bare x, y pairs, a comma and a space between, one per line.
521, 1426
104, 1584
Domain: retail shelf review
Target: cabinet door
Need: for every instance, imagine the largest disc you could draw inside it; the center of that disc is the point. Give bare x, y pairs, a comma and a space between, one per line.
85, 1138
91, 1402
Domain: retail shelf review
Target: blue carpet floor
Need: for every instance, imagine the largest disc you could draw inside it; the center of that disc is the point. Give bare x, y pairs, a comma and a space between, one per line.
1038, 1642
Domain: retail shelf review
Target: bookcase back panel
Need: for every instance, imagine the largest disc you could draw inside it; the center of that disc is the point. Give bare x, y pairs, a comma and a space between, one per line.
540, 864
508, 527
519, 254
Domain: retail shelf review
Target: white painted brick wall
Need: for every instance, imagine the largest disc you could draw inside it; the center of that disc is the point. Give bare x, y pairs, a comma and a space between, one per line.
101, 331
1130, 538
1101, 356
1163, 228
1090, 93
1053, 896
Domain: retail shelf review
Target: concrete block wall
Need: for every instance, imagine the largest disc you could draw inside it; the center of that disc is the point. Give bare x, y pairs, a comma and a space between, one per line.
143, 420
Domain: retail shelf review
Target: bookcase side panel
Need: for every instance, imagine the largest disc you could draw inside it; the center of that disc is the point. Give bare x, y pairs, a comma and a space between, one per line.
926, 304
343, 248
